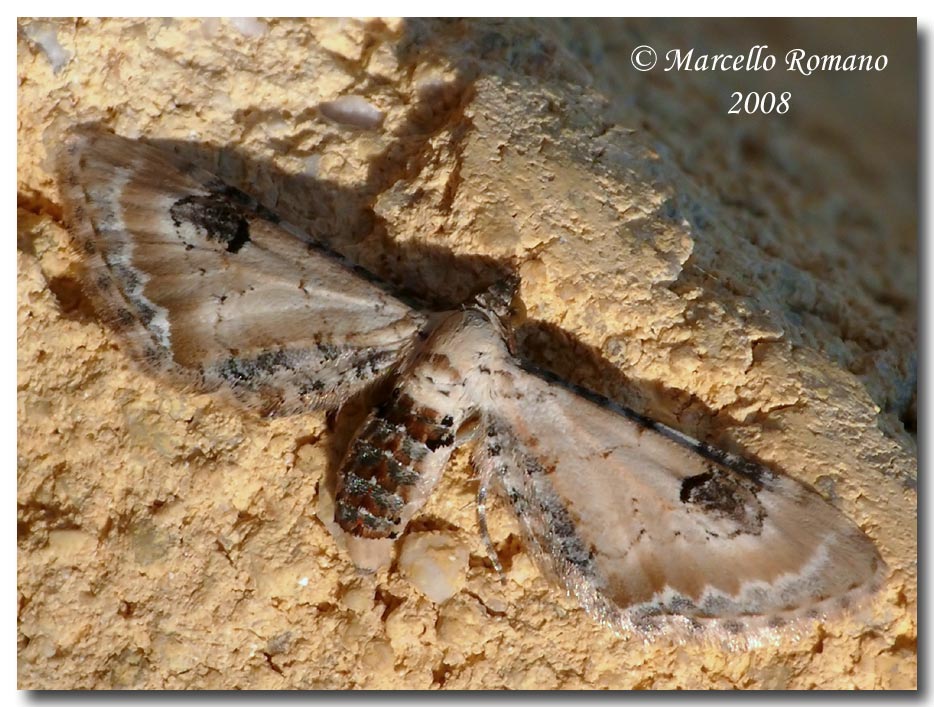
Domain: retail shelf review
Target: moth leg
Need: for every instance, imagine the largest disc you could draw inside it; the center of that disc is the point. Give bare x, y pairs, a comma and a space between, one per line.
491, 552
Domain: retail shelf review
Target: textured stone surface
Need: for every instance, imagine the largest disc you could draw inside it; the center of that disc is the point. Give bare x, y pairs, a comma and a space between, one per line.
750, 281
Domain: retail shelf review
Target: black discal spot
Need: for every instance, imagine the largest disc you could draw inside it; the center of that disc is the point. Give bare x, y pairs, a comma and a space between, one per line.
725, 495
733, 626
220, 220
243, 200
691, 483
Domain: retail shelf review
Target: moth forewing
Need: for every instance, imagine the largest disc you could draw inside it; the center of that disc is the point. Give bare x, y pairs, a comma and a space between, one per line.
207, 286
651, 531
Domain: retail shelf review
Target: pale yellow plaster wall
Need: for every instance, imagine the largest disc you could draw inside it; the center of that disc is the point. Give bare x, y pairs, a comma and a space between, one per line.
752, 283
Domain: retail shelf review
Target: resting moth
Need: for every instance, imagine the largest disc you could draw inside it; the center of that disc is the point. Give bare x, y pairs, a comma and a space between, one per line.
649, 529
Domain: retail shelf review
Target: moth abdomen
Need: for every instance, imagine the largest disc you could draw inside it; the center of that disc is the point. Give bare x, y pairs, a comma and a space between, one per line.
385, 464
357, 519
399, 453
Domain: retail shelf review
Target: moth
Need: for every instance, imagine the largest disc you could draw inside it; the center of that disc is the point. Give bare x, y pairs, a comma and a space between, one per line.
650, 530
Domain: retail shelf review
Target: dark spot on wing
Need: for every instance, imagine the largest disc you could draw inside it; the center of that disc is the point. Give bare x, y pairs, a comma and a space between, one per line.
727, 496
243, 200
219, 219
756, 473
691, 483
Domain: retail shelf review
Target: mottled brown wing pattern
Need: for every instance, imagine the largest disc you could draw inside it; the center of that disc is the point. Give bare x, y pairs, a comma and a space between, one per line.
654, 531
210, 288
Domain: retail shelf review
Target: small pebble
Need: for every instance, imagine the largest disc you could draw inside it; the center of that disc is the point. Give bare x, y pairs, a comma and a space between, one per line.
248, 26
435, 563
355, 111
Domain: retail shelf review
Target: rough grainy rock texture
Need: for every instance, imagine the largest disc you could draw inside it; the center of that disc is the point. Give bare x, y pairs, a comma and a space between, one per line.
751, 281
